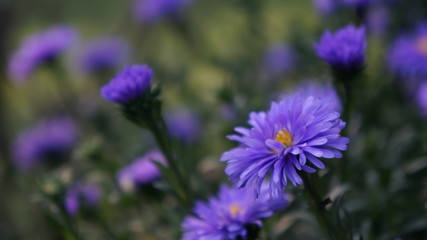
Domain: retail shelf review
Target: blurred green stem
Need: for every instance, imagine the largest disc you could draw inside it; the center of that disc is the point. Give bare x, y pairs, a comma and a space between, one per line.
317, 206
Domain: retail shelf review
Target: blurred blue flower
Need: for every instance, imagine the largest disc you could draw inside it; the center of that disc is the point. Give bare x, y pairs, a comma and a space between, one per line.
344, 50
408, 54
141, 172
228, 215
50, 140
422, 98
104, 53
325, 92
183, 124
289, 138
39, 48
378, 20
279, 59
81, 196
325, 6
128, 85
150, 11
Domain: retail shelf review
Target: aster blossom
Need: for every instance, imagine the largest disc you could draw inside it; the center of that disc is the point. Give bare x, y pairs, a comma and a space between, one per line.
50, 140
285, 141
128, 85
142, 171
150, 11
408, 54
80, 196
343, 50
38, 49
324, 91
103, 53
229, 215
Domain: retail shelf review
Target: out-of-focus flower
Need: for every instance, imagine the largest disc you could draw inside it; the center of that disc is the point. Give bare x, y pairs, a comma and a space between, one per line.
422, 98
358, 2
325, 92
183, 124
104, 53
150, 11
128, 85
38, 49
289, 138
378, 20
344, 50
279, 59
50, 140
141, 172
230, 214
325, 6
408, 54
80, 196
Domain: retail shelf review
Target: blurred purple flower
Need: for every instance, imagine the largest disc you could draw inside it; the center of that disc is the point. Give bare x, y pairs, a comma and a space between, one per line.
39, 48
422, 98
408, 54
324, 92
279, 59
150, 11
49, 140
325, 6
228, 215
358, 2
183, 124
128, 85
80, 196
287, 139
378, 20
104, 53
141, 172
344, 50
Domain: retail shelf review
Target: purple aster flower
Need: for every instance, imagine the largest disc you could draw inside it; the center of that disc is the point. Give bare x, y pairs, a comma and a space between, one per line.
288, 139
408, 54
39, 48
228, 215
183, 124
358, 2
141, 172
344, 50
104, 53
422, 98
130, 84
81, 196
50, 140
149, 11
279, 59
325, 92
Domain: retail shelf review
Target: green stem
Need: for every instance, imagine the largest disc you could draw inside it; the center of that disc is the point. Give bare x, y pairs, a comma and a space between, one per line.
317, 206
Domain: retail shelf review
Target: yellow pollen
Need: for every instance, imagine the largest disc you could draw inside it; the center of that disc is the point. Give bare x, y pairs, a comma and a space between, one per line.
422, 45
234, 209
284, 137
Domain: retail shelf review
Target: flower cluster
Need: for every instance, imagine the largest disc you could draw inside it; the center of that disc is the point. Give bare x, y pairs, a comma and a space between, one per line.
141, 172
344, 50
288, 139
229, 215
38, 49
50, 140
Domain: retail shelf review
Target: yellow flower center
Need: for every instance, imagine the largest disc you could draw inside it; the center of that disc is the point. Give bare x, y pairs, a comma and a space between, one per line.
422, 45
284, 137
234, 209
